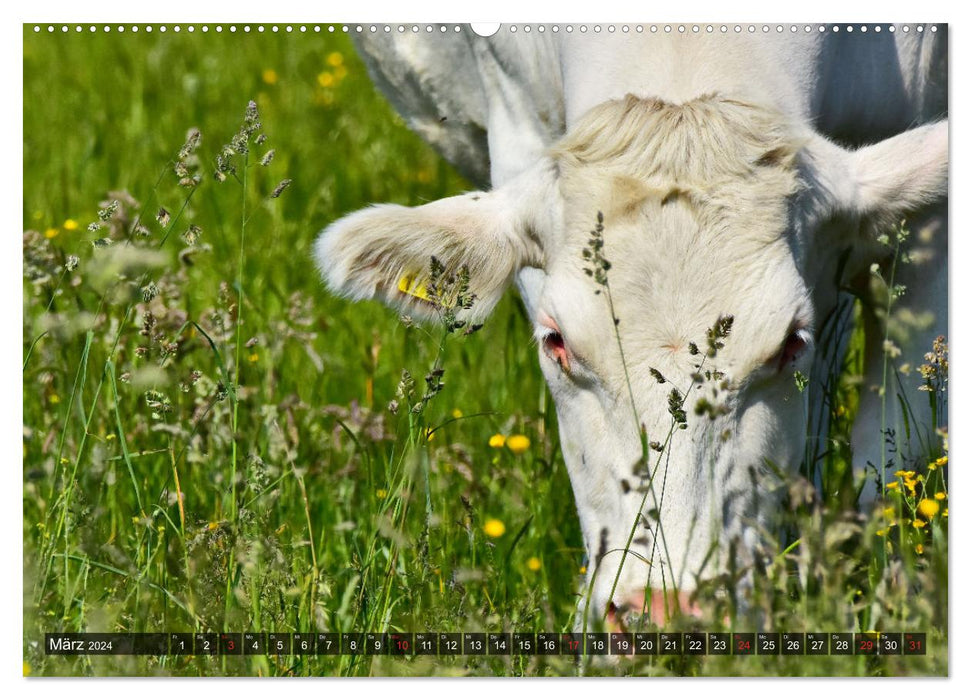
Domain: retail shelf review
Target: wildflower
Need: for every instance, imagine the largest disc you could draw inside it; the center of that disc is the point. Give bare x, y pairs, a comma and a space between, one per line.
939, 462
911, 484
894, 485
928, 508
888, 513
326, 79
517, 444
940, 496
583, 569
191, 235
55, 399
919, 548
381, 493
533, 564
150, 291
278, 190
498, 440
457, 413
72, 263
254, 357
918, 523
944, 513
335, 59
907, 474
267, 157
269, 76
494, 528
881, 533
51, 233
70, 225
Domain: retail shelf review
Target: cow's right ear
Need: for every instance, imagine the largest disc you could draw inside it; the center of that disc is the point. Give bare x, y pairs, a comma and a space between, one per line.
386, 251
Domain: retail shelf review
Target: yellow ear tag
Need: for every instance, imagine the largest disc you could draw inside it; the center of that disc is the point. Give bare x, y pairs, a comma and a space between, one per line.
412, 286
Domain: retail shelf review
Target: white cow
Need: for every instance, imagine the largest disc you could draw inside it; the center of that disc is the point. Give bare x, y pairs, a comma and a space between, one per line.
738, 175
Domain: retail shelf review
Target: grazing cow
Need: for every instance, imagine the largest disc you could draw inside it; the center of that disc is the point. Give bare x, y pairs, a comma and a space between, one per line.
741, 179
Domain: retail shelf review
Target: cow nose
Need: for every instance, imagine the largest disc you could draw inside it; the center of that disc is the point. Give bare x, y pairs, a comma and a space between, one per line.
657, 608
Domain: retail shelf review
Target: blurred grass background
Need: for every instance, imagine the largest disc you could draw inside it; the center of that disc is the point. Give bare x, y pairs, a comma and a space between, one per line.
343, 520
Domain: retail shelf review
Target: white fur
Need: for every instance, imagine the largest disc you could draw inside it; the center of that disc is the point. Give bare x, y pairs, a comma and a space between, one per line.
719, 196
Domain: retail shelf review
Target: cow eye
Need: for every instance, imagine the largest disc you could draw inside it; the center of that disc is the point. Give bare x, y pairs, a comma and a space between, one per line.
793, 348
555, 349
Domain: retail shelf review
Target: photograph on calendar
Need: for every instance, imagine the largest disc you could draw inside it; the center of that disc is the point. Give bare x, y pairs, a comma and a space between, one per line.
485, 350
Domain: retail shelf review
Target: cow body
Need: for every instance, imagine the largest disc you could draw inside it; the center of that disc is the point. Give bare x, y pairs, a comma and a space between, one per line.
710, 160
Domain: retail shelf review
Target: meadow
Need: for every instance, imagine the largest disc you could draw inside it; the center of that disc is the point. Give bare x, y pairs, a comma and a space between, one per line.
212, 442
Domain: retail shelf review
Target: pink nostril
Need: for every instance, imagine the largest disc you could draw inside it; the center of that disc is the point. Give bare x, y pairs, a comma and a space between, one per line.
662, 607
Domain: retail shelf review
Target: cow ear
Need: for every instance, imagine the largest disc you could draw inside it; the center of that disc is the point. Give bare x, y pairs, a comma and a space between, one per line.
416, 259
899, 175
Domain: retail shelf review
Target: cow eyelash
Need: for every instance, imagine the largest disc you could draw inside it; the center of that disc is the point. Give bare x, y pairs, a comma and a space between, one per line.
555, 347
793, 347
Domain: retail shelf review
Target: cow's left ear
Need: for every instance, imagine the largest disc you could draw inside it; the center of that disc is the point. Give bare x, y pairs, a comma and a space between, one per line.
901, 174
386, 251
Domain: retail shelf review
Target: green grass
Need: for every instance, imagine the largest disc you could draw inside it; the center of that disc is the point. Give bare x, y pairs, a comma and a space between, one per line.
306, 504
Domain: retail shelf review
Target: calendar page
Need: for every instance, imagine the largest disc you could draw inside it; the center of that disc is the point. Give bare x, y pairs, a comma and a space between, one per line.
546, 349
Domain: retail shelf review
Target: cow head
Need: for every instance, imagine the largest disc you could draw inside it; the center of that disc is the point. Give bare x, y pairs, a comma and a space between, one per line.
719, 219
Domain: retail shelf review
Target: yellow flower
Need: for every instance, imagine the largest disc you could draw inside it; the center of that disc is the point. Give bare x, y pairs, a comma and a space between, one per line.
381, 493
940, 495
51, 232
55, 399
26, 668
494, 528
335, 59
889, 512
893, 485
213, 526
498, 440
583, 569
881, 533
533, 564
269, 76
457, 413
254, 357
919, 549
325, 79
517, 444
944, 513
841, 410
928, 508
918, 523
70, 225
906, 474
941, 461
